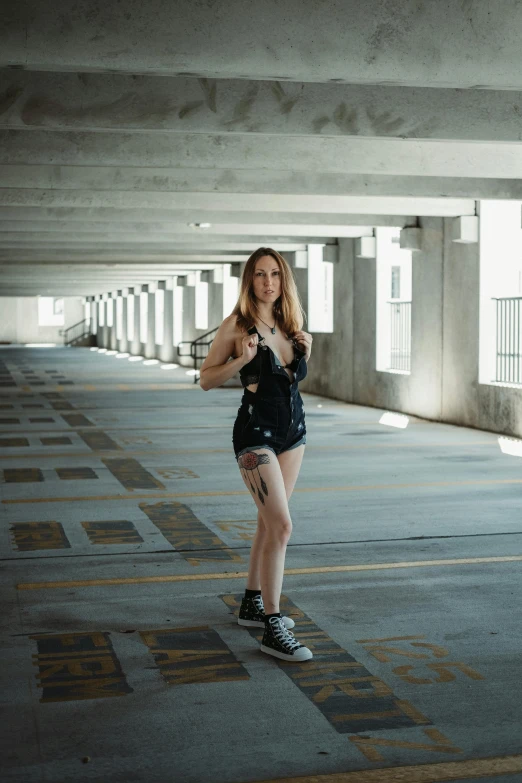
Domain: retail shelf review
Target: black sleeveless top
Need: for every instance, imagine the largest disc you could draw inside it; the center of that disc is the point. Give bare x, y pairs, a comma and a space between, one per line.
266, 361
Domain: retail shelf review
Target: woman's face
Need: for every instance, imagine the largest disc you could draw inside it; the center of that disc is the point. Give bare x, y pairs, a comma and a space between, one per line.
267, 280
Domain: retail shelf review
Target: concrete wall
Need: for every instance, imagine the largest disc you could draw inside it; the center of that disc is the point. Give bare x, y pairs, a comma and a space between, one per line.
19, 320
443, 384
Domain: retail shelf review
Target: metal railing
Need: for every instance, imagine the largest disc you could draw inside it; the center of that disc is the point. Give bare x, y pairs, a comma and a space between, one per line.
198, 349
80, 331
509, 339
400, 336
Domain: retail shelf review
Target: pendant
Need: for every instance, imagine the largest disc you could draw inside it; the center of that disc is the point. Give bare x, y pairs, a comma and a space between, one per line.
273, 330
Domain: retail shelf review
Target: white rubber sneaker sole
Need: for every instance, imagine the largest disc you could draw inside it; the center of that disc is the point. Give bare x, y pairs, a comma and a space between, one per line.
302, 654
289, 623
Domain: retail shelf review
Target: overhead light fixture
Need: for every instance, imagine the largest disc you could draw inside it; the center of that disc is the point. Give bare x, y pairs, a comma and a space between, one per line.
199, 225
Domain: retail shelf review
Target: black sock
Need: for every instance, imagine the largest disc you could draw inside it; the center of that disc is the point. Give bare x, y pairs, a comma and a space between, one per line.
251, 593
268, 616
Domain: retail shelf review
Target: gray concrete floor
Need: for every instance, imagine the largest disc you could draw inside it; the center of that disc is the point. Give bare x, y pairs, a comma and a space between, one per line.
122, 660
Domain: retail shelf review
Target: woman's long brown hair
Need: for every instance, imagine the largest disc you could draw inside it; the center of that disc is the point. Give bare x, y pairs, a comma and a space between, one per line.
288, 310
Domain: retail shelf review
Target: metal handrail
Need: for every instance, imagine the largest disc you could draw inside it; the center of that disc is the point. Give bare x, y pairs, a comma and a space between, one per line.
400, 335
195, 353
77, 332
508, 367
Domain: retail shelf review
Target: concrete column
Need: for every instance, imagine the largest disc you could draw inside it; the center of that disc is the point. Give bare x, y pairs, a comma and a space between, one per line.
123, 341
113, 341
216, 291
166, 350
149, 346
189, 333
135, 344
178, 292
104, 330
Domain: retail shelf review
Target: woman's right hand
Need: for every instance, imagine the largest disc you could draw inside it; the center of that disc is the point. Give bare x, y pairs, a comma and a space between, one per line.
249, 347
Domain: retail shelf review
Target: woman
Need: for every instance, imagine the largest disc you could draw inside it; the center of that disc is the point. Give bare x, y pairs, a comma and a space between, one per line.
270, 351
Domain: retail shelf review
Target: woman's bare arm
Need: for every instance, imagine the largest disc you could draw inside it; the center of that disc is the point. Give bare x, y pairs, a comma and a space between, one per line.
216, 369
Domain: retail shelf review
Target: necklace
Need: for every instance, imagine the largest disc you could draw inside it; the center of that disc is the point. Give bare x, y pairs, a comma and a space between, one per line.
272, 328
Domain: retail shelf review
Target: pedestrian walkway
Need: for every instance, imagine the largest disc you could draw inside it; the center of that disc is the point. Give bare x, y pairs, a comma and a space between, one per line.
125, 533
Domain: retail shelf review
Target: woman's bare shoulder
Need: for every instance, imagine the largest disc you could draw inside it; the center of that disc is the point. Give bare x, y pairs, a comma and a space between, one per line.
231, 327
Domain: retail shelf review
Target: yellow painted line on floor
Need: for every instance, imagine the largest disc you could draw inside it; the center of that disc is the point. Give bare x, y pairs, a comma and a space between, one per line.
419, 773
139, 580
219, 493
128, 453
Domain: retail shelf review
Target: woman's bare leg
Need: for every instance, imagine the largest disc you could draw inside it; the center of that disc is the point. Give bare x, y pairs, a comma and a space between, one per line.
254, 577
268, 550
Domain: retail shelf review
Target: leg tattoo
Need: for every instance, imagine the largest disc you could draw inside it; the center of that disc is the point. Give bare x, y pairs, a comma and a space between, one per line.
249, 462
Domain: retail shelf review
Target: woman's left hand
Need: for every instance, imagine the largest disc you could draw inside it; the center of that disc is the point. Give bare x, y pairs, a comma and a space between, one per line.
304, 341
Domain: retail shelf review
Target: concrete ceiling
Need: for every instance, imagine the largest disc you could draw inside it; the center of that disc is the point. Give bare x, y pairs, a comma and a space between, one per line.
278, 124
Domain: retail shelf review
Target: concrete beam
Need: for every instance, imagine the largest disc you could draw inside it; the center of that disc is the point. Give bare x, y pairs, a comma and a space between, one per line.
94, 102
303, 234
19, 197
21, 219
139, 178
459, 44
347, 155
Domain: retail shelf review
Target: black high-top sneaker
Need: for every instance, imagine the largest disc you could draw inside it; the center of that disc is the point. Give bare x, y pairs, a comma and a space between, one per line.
252, 613
281, 643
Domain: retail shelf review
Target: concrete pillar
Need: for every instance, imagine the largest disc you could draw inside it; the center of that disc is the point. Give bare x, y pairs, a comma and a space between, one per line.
135, 344
149, 346
178, 292
104, 329
113, 341
189, 333
94, 314
166, 349
123, 341
216, 290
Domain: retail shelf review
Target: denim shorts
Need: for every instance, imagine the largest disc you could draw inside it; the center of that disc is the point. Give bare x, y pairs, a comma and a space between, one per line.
276, 423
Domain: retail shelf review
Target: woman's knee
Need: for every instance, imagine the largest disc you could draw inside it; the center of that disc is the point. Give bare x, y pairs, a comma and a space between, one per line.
279, 529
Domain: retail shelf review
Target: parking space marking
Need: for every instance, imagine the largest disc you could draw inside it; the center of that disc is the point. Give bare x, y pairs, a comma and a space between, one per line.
132, 475
419, 773
34, 536
78, 666
242, 574
195, 542
114, 532
193, 655
219, 493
